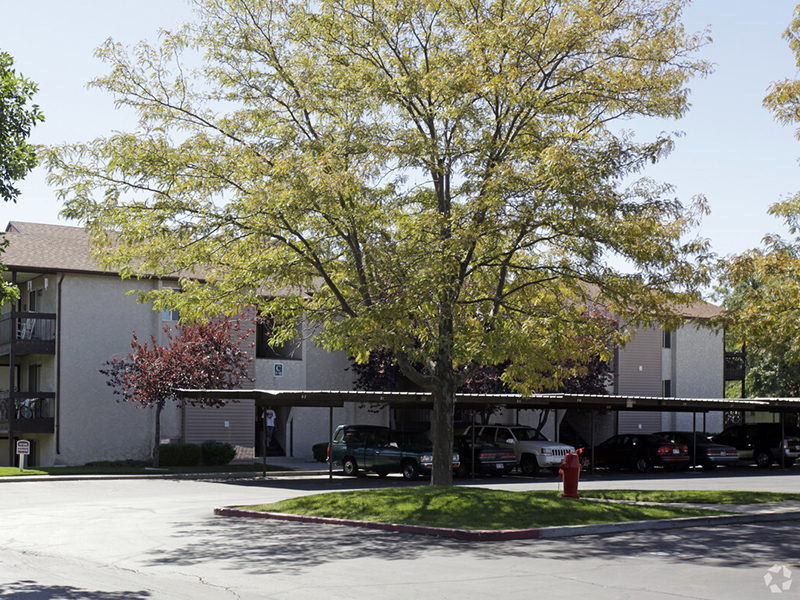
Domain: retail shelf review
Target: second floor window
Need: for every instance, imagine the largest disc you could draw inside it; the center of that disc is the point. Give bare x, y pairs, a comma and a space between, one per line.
667, 339
290, 350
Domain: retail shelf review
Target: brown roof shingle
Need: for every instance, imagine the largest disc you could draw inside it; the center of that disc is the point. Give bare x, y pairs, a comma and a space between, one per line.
39, 247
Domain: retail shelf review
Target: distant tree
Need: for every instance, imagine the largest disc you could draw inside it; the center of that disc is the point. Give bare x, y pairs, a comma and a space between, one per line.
760, 288
199, 356
17, 156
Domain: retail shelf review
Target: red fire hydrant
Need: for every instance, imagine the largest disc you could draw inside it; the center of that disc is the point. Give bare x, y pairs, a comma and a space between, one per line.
570, 471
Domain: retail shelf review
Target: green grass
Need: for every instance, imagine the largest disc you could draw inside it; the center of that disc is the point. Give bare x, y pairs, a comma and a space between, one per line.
695, 497
470, 508
130, 469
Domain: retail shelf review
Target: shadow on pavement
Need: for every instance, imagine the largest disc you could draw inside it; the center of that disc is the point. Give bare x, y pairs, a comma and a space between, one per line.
266, 547
31, 590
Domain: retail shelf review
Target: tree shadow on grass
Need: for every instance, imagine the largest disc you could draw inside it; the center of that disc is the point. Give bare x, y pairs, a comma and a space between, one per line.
262, 546
32, 590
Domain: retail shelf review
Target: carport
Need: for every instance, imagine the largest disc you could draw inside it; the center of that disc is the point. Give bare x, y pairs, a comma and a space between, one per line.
476, 402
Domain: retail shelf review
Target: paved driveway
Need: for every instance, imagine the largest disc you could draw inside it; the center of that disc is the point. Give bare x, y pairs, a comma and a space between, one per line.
136, 539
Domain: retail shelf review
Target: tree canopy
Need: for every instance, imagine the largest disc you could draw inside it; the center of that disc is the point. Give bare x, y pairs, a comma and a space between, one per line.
446, 179
17, 156
761, 287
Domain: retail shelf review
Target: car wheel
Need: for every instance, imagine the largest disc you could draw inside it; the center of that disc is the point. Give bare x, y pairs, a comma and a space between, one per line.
529, 466
410, 470
586, 462
349, 466
643, 465
763, 458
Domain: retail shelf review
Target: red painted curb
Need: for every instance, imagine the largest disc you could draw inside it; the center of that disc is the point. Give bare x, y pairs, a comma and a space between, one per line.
459, 534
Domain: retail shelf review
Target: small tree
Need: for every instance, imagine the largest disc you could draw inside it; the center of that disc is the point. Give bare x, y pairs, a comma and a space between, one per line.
200, 356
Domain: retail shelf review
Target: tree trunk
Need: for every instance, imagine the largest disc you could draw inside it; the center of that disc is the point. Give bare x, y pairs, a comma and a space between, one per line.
444, 402
157, 441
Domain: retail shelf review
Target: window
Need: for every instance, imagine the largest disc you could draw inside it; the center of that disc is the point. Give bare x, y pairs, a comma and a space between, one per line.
667, 339
290, 350
169, 314
666, 388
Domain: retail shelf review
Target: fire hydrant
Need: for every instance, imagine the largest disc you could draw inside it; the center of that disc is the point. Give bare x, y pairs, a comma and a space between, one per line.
570, 471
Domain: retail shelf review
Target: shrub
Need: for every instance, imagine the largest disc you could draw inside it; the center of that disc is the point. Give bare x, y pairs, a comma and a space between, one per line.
179, 455
217, 453
320, 452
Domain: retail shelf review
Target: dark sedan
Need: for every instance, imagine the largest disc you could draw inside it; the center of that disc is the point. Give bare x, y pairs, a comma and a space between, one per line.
709, 454
488, 458
640, 452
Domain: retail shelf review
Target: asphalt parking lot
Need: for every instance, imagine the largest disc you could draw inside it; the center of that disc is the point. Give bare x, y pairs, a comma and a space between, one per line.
158, 538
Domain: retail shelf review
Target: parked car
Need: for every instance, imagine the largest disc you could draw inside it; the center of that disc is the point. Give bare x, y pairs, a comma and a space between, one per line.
382, 450
640, 452
709, 454
762, 443
489, 459
533, 450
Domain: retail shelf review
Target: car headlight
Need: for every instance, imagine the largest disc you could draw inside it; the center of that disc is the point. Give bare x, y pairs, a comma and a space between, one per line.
547, 451
427, 459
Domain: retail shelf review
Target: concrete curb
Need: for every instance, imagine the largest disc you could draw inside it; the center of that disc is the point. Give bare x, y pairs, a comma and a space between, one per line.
221, 475
523, 534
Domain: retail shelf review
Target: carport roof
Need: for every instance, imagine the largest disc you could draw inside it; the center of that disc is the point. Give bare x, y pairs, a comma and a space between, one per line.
334, 398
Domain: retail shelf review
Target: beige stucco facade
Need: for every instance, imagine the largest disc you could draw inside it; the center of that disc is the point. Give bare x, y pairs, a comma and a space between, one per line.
96, 315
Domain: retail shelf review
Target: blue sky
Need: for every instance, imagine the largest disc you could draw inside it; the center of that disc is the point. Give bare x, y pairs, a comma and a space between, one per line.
732, 151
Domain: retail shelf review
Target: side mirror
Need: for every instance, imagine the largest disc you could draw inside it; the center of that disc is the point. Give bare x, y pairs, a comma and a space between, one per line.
510, 441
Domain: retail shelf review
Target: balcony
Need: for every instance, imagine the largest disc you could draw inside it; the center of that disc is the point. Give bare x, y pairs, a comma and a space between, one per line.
34, 412
28, 333
735, 366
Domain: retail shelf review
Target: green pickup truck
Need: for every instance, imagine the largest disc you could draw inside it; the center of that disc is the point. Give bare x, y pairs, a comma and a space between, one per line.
382, 450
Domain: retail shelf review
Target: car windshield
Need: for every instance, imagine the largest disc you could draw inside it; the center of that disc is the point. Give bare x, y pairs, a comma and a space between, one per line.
529, 435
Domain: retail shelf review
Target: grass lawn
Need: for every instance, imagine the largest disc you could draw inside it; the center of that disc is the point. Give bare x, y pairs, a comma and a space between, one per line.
470, 508
123, 469
695, 497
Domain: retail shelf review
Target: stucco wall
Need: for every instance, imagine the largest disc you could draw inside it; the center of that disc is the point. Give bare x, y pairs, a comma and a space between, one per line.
698, 355
97, 322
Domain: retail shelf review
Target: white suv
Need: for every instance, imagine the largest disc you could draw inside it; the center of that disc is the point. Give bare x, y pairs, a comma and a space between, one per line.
534, 451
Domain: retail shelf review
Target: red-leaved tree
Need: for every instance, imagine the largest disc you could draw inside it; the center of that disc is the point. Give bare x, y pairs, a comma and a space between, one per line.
199, 356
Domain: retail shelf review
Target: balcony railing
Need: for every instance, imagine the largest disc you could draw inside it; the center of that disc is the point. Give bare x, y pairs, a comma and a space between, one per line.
735, 366
34, 412
28, 332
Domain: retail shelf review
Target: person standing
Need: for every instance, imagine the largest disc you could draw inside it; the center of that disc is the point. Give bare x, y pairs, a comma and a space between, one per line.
270, 416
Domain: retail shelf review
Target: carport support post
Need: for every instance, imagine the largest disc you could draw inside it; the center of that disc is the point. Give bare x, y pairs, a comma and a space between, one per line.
783, 437
694, 440
263, 442
330, 443
472, 446
591, 443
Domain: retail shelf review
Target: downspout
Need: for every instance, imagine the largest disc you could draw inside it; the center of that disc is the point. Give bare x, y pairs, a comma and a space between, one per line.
58, 367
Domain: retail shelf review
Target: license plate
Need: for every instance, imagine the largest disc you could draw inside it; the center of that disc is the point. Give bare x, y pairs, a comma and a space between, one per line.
723, 453
676, 451
498, 466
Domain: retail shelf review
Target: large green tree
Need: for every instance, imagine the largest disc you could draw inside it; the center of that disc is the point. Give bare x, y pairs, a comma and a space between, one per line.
440, 178
761, 287
17, 156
